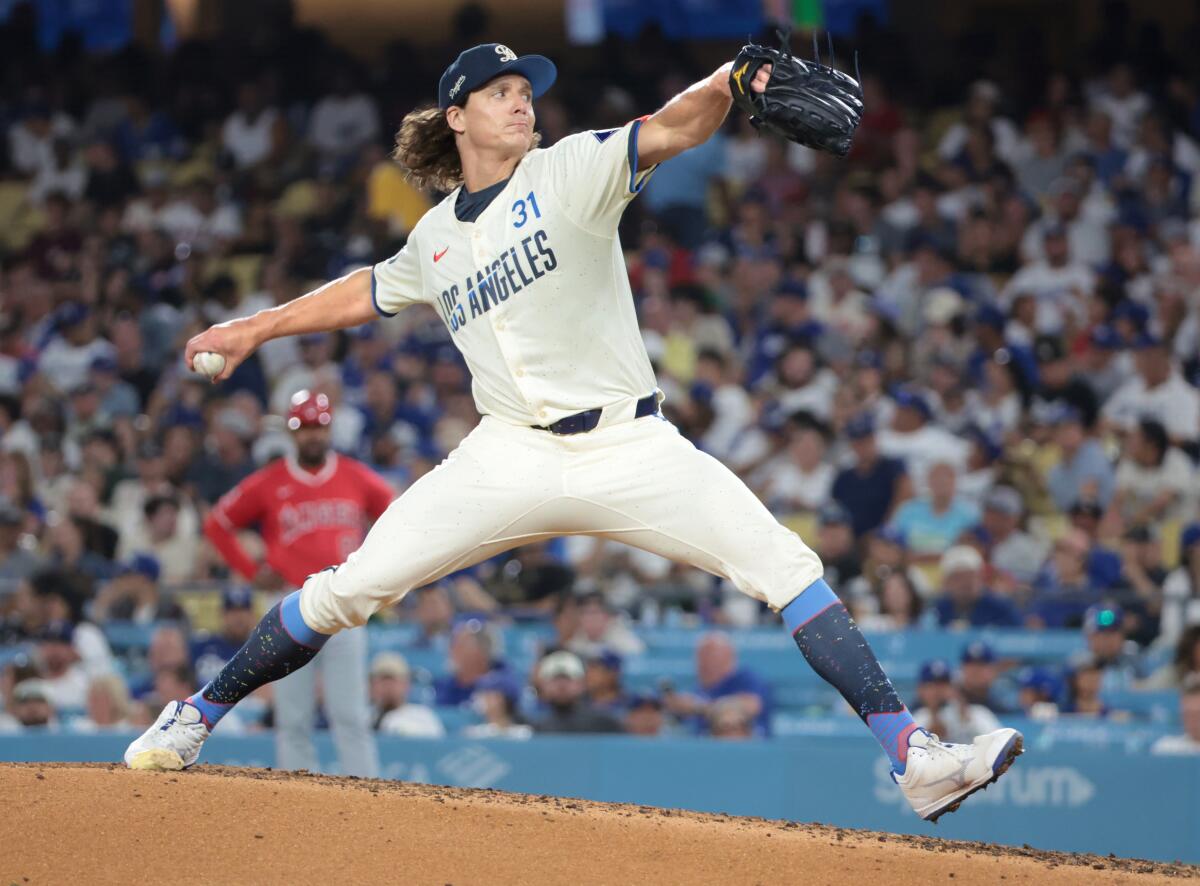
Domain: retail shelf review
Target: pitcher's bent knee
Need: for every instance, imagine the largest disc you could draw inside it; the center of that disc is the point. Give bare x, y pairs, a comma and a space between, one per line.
780, 570
345, 596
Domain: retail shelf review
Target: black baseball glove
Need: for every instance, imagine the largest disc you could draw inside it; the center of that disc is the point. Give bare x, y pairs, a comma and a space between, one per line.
806, 102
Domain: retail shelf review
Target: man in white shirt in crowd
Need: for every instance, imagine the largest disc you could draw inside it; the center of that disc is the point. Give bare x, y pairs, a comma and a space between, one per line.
918, 443
1058, 283
344, 120
1157, 391
394, 713
942, 711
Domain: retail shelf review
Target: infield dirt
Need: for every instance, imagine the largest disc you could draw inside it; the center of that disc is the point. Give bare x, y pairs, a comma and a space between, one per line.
99, 823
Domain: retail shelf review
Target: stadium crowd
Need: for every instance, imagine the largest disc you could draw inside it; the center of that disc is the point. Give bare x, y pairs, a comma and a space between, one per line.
962, 363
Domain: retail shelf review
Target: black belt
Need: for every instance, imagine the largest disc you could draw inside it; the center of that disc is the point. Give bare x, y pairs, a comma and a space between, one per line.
582, 422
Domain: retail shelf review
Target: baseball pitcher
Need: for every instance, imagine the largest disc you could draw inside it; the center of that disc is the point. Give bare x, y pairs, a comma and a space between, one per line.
523, 264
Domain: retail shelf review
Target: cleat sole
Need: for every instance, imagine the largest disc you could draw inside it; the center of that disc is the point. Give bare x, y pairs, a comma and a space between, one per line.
157, 760
1007, 757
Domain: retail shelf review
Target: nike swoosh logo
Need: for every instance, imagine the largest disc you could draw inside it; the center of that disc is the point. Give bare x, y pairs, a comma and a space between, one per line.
437, 256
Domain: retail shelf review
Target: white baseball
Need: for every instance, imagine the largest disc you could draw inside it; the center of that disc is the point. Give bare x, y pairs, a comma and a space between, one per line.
209, 364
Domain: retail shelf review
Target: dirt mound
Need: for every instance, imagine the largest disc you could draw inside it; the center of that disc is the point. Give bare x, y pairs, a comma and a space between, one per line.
78, 823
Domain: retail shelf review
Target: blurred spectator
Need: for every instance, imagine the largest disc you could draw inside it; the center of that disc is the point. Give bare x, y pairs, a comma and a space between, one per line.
211, 652
1157, 392
978, 671
251, 132
1040, 691
344, 120
1011, 550
728, 719
964, 600
394, 713
1185, 662
932, 523
561, 689
602, 681
1154, 479
1189, 715
63, 679
800, 478
1107, 632
982, 109
17, 560
835, 545
899, 606
160, 536
917, 443
32, 706
1140, 590
644, 715
942, 709
109, 706
1083, 472
1064, 588
179, 682
133, 595
434, 614
472, 655
1084, 680
872, 487
1181, 590
496, 700
719, 677
602, 629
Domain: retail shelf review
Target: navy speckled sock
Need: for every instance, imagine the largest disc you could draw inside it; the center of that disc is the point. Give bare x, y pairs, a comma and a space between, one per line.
280, 643
837, 650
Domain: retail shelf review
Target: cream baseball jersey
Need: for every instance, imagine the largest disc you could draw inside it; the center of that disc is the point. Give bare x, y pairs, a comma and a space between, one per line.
535, 291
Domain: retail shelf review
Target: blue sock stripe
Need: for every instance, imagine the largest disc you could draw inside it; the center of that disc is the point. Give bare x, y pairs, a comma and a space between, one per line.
211, 711
294, 624
813, 600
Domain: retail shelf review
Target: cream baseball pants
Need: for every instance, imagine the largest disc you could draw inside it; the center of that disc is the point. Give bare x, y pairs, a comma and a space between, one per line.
638, 482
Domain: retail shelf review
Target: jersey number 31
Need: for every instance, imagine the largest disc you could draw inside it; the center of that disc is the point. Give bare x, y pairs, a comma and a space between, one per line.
519, 208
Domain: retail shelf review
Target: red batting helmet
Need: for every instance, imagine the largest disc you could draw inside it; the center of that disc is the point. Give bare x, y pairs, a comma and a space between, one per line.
308, 410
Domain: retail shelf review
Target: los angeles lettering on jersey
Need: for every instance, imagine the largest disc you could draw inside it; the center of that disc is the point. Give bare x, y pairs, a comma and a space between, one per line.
514, 269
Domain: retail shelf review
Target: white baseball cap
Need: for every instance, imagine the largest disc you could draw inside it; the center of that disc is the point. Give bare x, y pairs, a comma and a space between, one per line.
560, 664
961, 558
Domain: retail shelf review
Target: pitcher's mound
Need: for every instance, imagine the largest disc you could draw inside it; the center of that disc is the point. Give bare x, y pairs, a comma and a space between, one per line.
99, 823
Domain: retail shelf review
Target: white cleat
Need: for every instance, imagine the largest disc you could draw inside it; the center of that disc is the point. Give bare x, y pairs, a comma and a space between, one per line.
172, 743
938, 775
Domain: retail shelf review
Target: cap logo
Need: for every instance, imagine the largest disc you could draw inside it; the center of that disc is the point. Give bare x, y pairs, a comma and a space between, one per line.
506, 54
457, 85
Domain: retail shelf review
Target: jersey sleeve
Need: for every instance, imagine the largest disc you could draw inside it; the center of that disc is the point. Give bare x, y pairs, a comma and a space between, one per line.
396, 281
595, 174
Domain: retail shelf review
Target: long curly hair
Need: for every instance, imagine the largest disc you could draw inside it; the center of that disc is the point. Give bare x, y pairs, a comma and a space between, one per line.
426, 150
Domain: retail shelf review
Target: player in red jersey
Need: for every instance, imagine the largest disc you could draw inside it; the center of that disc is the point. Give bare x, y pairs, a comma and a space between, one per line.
312, 510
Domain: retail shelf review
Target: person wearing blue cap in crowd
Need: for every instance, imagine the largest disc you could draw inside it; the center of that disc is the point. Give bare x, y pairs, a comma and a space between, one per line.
1158, 390
874, 484
1083, 471
1039, 692
915, 440
977, 676
497, 699
210, 652
1106, 366
1181, 590
602, 681
1106, 627
943, 710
